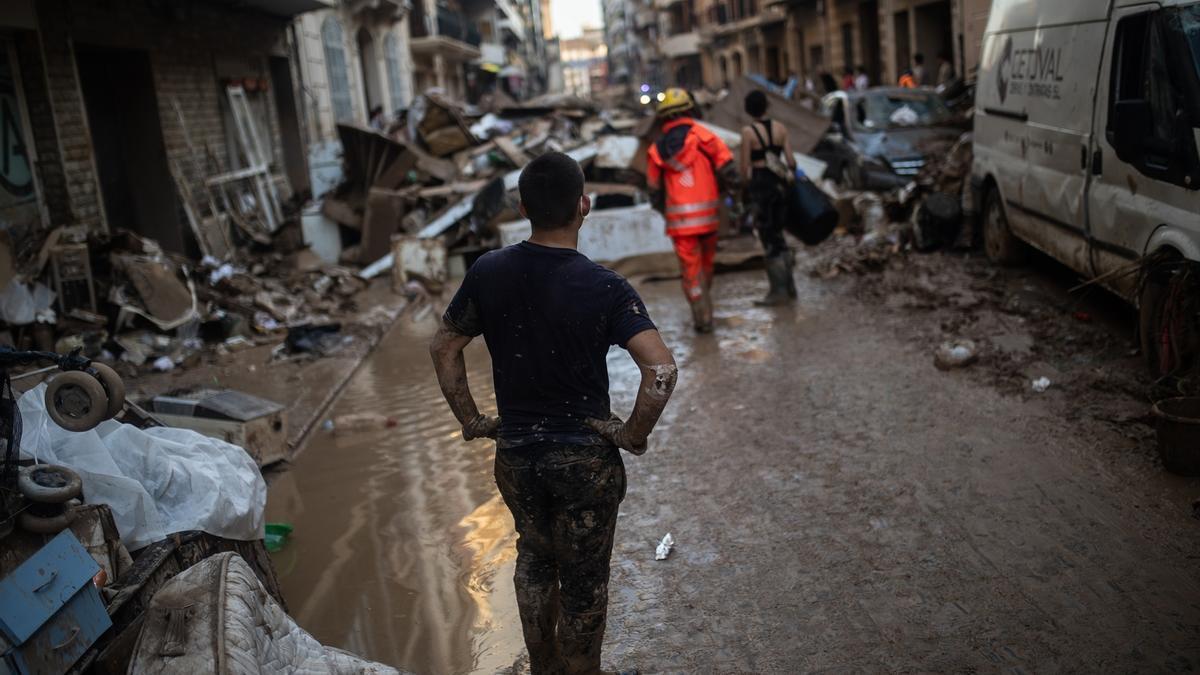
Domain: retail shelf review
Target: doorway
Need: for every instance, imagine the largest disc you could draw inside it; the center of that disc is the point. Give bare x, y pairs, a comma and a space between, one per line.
903, 43
127, 142
847, 48
294, 164
369, 64
868, 21
934, 34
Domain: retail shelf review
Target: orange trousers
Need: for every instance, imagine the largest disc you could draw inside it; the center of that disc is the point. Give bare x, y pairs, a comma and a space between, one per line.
697, 253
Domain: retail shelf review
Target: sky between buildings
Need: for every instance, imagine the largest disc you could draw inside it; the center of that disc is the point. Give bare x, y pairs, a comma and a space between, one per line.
569, 17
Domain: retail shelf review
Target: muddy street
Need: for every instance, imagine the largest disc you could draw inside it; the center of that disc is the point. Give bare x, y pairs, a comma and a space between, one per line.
837, 503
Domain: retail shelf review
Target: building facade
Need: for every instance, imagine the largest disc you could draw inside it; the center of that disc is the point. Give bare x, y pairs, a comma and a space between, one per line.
108, 105
712, 42
882, 36
584, 63
631, 30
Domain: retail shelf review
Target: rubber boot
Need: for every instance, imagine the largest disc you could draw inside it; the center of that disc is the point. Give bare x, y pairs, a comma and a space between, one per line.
779, 276
791, 276
702, 317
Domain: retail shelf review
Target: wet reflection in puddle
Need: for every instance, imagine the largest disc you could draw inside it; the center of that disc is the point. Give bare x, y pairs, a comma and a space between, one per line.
403, 550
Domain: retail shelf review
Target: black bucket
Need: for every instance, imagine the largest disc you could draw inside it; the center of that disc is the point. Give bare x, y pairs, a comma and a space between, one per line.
1177, 421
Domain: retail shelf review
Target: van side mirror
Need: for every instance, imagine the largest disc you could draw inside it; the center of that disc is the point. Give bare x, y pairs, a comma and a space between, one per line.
1132, 124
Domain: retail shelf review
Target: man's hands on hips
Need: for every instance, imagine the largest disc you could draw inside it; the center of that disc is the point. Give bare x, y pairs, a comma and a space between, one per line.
481, 426
616, 431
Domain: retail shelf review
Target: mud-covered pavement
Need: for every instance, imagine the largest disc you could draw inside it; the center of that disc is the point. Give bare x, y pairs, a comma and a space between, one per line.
837, 502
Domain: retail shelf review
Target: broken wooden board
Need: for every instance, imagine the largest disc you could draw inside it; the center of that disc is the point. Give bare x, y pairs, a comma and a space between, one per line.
340, 211
165, 298
385, 209
805, 127
514, 154
451, 189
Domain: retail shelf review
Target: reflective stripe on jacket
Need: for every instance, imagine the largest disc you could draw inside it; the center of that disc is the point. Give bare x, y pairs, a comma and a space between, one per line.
689, 177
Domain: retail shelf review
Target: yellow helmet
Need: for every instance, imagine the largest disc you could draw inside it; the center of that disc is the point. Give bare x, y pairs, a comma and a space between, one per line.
674, 100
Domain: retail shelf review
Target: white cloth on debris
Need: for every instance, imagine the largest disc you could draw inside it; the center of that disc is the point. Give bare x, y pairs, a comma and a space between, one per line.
157, 481
216, 617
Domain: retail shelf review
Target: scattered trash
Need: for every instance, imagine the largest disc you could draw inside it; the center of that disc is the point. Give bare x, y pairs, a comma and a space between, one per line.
1041, 384
1083, 317
164, 364
664, 547
956, 354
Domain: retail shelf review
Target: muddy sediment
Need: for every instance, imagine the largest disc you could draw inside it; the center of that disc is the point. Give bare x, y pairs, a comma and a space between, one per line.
837, 501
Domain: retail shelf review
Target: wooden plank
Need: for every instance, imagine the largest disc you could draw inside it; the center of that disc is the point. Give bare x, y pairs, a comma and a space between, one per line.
514, 154
385, 209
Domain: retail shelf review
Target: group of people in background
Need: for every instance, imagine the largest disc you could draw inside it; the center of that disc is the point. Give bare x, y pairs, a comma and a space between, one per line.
857, 79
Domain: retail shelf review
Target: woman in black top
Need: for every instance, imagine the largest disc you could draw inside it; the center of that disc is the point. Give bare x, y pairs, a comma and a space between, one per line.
763, 143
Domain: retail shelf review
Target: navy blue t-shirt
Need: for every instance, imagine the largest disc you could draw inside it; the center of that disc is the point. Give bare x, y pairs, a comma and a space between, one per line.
548, 316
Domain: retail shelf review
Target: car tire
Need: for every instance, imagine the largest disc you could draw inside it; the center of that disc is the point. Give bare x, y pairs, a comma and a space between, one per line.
1168, 324
1000, 244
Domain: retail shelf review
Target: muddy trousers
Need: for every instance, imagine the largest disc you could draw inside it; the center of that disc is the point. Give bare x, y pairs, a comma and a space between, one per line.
564, 500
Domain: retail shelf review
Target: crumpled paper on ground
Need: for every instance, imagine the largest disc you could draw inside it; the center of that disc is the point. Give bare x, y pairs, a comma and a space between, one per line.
157, 481
664, 547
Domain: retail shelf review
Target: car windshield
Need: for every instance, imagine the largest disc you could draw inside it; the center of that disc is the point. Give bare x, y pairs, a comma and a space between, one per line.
876, 111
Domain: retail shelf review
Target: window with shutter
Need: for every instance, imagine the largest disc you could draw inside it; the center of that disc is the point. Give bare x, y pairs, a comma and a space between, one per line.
335, 66
391, 54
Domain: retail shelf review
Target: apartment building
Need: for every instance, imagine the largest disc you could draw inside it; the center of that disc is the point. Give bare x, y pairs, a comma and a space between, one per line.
631, 29
584, 63
679, 43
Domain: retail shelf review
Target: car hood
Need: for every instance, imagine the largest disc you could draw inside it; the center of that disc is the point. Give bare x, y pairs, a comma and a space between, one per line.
904, 143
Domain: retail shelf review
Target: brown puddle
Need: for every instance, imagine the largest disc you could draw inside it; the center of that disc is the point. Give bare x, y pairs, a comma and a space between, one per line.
403, 550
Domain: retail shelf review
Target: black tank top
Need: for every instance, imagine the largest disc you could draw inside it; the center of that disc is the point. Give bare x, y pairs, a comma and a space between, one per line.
768, 145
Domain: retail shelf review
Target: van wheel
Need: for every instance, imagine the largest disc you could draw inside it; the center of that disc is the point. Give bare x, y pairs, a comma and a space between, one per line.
1001, 245
1169, 318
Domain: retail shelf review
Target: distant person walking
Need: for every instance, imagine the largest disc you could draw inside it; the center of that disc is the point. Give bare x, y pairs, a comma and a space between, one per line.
919, 73
862, 81
682, 172
847, 80
945, 69
766, 154
549, 316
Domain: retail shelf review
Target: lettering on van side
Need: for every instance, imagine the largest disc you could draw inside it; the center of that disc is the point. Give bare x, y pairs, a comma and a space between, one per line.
1029, 72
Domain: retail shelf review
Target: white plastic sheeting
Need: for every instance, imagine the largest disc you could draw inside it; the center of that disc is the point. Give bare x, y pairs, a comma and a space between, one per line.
157, 481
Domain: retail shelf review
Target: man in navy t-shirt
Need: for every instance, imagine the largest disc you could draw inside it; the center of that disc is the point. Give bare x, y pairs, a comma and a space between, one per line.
549, 315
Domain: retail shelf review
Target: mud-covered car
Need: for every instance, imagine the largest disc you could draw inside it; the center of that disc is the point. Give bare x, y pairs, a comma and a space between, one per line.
882, 137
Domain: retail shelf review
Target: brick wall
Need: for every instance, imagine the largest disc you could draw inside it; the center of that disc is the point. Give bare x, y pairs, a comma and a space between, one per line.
185, 40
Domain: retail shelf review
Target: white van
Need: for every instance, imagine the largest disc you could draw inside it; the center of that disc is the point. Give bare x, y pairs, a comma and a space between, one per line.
1087, 130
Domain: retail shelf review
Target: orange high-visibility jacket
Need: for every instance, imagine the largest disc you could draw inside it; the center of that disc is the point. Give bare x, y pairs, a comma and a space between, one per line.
690, 179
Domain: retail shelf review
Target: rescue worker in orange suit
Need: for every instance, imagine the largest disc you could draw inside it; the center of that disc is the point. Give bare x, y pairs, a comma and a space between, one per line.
682, 172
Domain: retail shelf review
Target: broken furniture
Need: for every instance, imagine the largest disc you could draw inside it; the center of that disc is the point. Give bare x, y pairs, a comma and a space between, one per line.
253, 423
50, 611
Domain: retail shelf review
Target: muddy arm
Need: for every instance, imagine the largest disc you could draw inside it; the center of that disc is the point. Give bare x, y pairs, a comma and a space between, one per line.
659, 374
446, 349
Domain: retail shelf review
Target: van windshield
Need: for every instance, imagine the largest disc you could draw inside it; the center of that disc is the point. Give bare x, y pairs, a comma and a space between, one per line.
880, 110
1190, 20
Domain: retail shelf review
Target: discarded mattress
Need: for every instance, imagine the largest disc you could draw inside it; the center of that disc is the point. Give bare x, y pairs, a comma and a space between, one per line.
157, 481
216, 617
